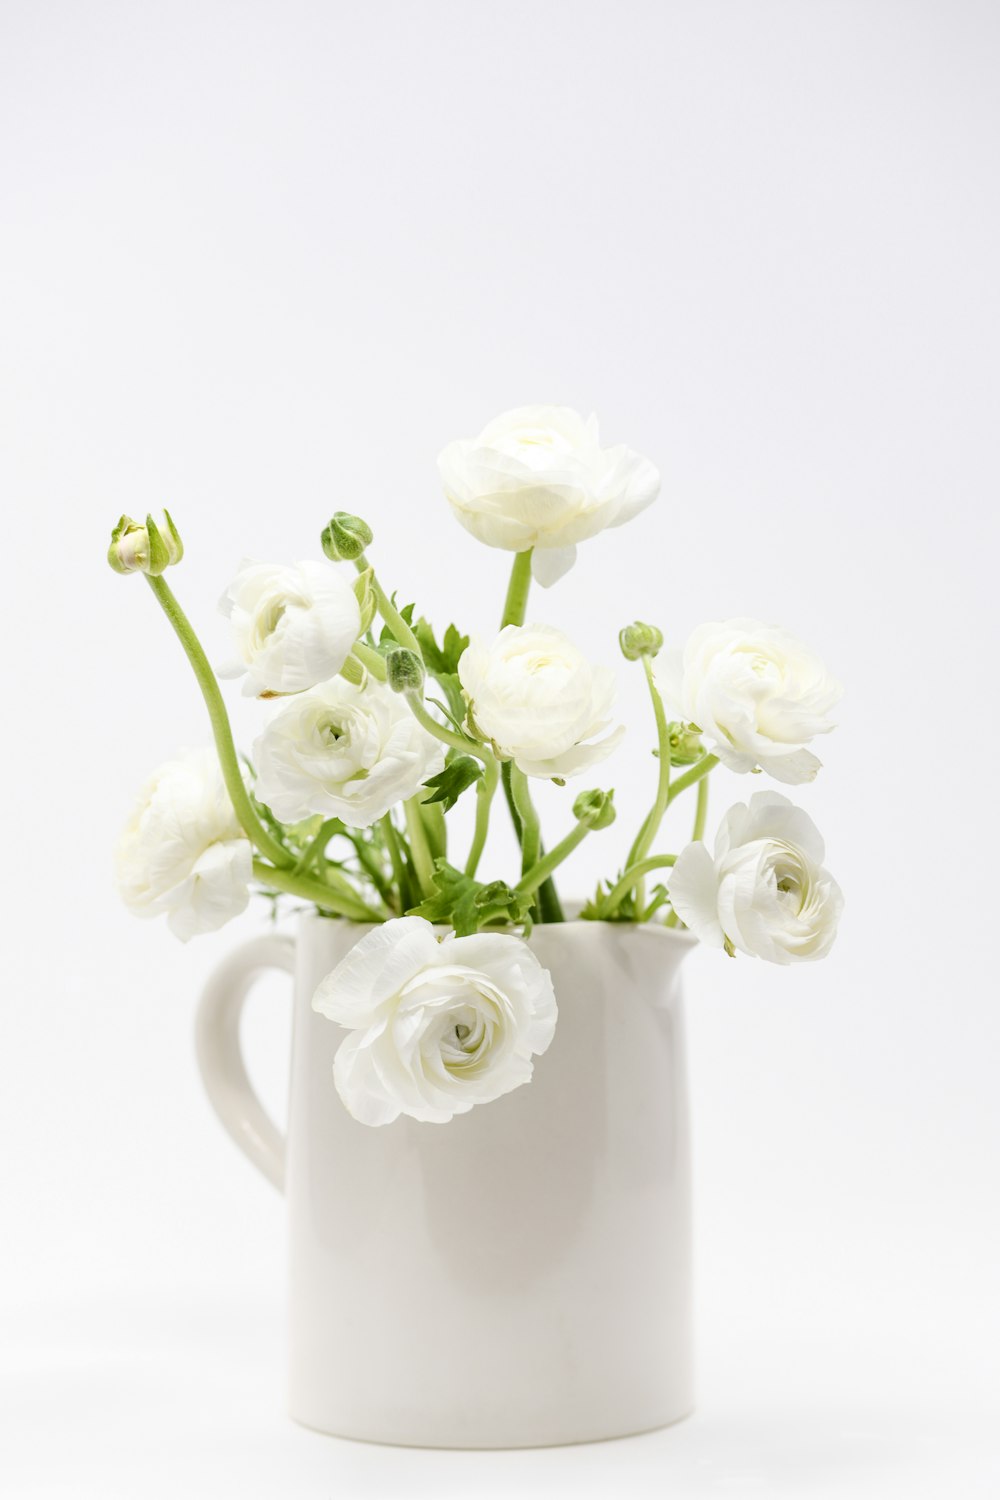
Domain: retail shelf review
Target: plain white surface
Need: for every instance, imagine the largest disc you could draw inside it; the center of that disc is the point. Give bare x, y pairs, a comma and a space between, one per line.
262, 261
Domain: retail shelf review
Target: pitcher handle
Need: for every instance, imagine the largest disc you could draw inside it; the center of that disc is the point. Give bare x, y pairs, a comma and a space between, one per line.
220, 1060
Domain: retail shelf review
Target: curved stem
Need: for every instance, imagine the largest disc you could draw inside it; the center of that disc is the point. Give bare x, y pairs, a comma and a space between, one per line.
551, 861
317, 891
517, 590
484, 799
316, 846
401, 631
654, 818
632, 878
698, 770
370, 658
530, 829
446, 736
221, 729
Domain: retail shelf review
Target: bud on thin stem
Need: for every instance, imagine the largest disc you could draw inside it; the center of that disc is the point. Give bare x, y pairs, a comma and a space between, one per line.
685, 743
149, 548
639, 639
404, 671
346, 537
596, 809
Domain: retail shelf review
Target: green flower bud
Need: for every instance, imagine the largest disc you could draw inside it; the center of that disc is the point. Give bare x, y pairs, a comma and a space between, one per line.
346, 537
596, 809
364, 592
404, 671
639, 640
149, 548
685, 744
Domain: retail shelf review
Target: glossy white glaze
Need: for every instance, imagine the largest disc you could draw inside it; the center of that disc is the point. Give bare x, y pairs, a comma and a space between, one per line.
519, 1276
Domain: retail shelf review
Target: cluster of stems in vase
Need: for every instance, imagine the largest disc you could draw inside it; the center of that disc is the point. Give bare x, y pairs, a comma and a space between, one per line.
400, 863
378, 727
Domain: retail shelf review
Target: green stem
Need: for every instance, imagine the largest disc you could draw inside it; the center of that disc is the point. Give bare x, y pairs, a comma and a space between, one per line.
517, 590
698, 770
317, 891
401, 631
651, 825
423, 860
432, 817
551, 861
398, 867
373, 868
316, 846
446, 736
701, 811
506, 772
632, 878
221, 729
530, 830
549, 905
647, 833
484, 799
370, 658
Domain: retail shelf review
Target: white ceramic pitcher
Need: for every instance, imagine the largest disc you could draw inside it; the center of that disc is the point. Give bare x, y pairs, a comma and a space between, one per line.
519, 1276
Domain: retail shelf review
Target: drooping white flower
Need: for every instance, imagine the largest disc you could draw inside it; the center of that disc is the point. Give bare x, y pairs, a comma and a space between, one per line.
294, 624
538, 477
539, 700
343, 752
757, 694
183, 852
435, 1027
765, 892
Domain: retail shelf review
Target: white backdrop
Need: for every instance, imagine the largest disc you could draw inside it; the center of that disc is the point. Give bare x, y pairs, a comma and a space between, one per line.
261, 261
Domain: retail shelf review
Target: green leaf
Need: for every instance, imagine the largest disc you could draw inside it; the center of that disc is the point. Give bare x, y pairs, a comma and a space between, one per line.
457, 776
464, 904
441, 661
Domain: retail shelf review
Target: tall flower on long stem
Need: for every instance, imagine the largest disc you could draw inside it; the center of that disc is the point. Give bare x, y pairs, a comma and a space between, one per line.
537, 480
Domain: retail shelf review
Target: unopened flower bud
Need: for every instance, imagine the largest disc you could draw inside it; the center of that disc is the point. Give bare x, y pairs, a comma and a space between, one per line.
346, 537
364, 592
685, 744
404, 671
639, 639
145, 548
596, 809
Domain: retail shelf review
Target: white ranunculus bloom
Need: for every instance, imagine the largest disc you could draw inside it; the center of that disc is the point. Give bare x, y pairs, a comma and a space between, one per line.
766, 891
435, 1027
756, 693
294, 624
183, 851
538, 477
343, 752
539, 700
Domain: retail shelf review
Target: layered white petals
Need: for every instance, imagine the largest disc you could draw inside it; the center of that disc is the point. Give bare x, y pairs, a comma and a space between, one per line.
343, 752
765, 891
293, 625
539, 700
182, 851
757, 694
435, 1027
538, 477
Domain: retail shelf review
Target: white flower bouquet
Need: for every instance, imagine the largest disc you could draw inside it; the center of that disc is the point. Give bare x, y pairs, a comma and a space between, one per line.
376, 726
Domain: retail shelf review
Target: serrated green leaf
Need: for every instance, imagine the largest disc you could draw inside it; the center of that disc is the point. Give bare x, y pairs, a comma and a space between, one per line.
441, 660
466, 905
458, 775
